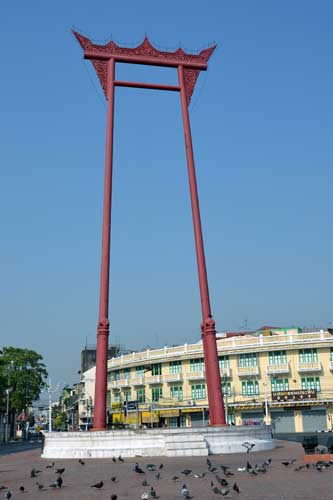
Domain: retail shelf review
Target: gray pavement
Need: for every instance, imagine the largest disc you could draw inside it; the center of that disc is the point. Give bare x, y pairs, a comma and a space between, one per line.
279, 483
19, 446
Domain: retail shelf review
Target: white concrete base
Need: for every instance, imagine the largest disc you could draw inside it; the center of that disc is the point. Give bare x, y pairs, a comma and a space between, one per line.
200, 441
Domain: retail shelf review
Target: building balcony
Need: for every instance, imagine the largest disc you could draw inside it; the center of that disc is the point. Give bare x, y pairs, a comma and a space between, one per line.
201, 375
276, 369
138, 381
173, 377
225, 372
154, 379
309, 366
246, 371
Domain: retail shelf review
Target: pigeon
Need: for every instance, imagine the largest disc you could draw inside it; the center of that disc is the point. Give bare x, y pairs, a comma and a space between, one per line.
158, 475
114, 459
114, 497
248, 446
145, 483
120, 459
212, 469
151, 467
21, 489
186, 472
153, 493
145, 496
209, 463
113, 479
33, 473
138, 469
60, 471
81, 462
54, 485
221, 480
161, 466
98, 485
241, 469
224, 468
3, 487
40, 486
199, 476
268, 462
222, 491
184, 492
59, 481
235, 487
8, 495
288, 462
300, 467
50, 466
175, 478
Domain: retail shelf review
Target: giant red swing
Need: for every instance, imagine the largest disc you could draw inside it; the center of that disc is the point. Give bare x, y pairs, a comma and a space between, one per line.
104, 59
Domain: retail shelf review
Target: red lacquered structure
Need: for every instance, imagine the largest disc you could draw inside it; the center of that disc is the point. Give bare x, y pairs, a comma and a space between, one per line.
104, 59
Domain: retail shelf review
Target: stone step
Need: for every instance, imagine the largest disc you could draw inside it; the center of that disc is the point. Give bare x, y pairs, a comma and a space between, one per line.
180, 438
188, 453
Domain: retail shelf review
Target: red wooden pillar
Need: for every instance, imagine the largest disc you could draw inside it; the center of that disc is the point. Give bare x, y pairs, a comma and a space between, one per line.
103, 321
215, 397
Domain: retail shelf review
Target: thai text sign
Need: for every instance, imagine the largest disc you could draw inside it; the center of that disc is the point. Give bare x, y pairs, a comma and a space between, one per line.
294, 395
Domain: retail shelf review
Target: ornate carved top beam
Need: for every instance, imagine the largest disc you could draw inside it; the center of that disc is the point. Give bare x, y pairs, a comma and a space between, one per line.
145, 53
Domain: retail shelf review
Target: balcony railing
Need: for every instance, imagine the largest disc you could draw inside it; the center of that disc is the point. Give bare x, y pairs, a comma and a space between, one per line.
309, 366
244, 371
155, 379
278, 368
225, 372
138, 381
225, 346
173, 377
200, 375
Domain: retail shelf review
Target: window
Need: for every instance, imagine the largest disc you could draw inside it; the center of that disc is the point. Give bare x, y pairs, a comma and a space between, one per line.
311, 383
307, 355
173, 422
182, 421
156, 393
224, 362
141, 395
156, 369
250, 388
139, 371
226, 388
127, 394
176, 391
116, 396
198, 391
279, 384
248, 359
108, 399
127, 373
196, 365
175, 367
115, 375
277, 357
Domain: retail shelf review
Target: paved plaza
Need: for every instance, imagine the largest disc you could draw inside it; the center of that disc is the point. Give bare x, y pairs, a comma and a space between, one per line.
280, 482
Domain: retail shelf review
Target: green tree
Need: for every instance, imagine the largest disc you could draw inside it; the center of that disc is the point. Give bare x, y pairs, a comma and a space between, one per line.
24, 372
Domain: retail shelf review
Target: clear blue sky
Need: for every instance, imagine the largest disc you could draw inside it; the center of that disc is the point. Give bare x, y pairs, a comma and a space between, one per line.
262, 128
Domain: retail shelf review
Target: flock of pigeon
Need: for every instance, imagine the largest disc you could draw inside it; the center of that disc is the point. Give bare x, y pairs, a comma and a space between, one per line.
220, 485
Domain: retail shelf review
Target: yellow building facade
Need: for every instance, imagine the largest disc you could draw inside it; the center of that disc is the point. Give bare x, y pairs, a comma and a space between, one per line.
283, 377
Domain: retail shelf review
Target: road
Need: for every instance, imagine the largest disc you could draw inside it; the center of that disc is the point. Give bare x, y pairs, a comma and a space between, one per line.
18, 446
